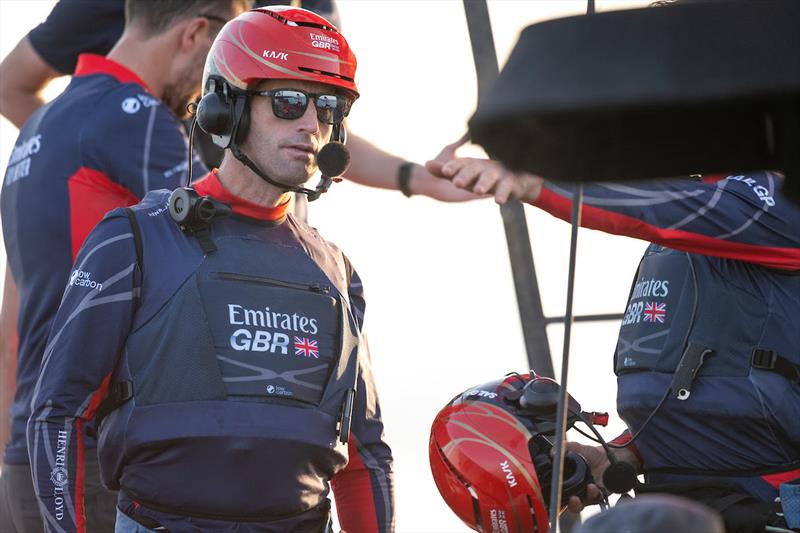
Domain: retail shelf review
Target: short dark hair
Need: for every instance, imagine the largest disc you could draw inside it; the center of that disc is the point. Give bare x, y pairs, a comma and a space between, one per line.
155, 16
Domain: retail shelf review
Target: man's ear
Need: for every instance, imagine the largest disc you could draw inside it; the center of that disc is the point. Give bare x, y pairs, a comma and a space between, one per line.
194, 31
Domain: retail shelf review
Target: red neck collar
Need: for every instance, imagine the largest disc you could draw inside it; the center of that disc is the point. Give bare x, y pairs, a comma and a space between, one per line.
89, 64
211, 186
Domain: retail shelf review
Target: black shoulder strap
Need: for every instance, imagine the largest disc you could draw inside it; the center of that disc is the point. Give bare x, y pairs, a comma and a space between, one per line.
771, 361
121, 391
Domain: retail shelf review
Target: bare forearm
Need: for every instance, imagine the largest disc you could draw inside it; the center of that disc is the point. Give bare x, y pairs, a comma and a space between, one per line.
374, 167
23, 75
17, 107
8, 352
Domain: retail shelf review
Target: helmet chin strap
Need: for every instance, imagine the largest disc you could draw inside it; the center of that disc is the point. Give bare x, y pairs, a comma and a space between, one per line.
337, 134
246, 161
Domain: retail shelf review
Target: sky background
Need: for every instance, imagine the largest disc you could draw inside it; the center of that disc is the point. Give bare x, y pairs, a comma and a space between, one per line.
441, 309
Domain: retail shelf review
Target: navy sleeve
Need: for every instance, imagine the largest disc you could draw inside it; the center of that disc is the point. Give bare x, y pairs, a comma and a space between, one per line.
85, 341
364, 490
138, 143
742, 217
75, 27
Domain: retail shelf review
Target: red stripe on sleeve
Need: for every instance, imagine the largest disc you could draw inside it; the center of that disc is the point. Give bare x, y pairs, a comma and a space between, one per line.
80, 464
80, 480
352, 489
91, 195
600, 219
625, 438
782, 477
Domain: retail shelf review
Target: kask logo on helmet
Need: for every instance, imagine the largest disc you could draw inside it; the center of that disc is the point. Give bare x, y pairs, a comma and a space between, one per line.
272, 54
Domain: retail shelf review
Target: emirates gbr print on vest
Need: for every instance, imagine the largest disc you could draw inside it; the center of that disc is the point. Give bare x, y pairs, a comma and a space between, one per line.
654, 326
273, 338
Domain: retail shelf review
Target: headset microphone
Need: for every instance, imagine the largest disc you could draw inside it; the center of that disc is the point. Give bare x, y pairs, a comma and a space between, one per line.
619, 477
333, 160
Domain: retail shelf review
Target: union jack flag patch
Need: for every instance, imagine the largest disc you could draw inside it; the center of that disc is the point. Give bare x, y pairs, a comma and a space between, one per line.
306, 347
653, 312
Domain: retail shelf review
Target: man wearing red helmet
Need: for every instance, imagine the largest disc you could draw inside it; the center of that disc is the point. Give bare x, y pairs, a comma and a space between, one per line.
708, 357
213, 341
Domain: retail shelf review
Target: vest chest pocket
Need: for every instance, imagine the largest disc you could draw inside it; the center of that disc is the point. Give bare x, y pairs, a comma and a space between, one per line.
275, 340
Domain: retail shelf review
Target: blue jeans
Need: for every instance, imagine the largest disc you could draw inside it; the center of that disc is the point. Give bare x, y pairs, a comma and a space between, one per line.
126, 524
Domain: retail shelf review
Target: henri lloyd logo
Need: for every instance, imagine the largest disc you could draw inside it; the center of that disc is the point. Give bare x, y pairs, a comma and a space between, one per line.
262, 340
59, 475
324, 42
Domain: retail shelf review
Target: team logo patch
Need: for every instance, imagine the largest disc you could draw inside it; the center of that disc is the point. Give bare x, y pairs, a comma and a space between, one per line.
59, 476
655, 312
306, 347
131, 105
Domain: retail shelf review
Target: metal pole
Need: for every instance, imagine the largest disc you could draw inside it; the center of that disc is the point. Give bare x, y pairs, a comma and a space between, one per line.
523, 270
561, 413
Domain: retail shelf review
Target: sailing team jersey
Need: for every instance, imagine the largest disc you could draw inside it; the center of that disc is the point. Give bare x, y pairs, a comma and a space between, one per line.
103, 143
242, 364
718, 286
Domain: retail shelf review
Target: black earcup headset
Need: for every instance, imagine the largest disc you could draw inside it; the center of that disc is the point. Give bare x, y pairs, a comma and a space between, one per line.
223, 114
577, 475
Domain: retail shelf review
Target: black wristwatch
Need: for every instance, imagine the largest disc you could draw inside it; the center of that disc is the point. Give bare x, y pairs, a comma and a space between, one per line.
404, 178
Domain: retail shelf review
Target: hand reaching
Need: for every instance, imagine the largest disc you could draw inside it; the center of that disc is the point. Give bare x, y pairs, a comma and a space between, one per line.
484, 176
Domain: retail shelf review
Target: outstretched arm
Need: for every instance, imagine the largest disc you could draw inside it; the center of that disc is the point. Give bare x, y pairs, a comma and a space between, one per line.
374, 167
742, 217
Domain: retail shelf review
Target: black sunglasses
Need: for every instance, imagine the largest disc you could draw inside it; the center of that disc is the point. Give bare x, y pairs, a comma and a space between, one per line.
291, 104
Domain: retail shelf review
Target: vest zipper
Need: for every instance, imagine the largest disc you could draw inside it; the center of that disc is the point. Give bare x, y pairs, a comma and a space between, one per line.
314, 287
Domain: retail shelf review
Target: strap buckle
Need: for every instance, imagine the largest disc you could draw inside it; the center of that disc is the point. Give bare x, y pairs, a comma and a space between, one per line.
122, 391
764, 359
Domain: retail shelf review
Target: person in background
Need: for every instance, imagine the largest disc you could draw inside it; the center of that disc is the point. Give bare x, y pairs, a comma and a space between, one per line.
107, 140
717, 290
654, 514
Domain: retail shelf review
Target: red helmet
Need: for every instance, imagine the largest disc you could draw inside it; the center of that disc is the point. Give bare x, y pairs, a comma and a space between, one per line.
491, 462
281, 42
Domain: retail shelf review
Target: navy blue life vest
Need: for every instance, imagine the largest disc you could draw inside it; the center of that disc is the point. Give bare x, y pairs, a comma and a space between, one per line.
696, 324
242, 364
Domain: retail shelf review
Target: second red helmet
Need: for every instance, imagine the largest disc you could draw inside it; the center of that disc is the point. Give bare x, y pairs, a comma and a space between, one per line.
490, 455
